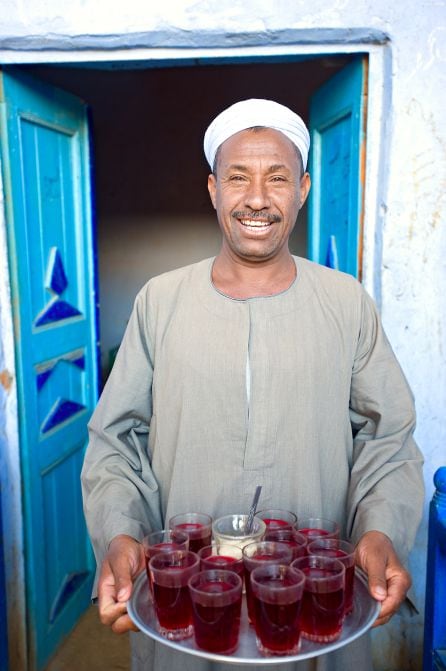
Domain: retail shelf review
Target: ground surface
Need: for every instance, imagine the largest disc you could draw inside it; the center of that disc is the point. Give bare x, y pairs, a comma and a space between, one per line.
92, 647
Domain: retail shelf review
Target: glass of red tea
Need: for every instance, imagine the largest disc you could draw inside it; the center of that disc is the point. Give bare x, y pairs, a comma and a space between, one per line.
224, 557
170, 573
198, 527
216, 597
345, 552
277, 592
298, 542
314, 527
258, 554
277, 518
163, 541
322, 611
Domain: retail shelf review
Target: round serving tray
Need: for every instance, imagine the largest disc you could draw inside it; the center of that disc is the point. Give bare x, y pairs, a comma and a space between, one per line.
365, 612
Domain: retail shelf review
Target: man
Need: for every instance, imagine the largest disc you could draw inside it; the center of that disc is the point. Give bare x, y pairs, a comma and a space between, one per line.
252, 368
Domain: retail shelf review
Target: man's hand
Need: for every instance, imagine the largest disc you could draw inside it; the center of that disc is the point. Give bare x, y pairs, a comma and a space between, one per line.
388, 579
123, 562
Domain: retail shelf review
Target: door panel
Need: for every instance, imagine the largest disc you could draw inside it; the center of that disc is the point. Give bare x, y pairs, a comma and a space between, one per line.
45, 159
337, 154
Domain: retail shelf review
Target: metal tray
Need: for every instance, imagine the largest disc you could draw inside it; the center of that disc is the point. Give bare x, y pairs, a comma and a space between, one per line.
365, 612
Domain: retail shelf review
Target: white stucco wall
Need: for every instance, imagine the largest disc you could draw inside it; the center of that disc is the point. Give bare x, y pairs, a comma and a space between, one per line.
10, 479
405, 238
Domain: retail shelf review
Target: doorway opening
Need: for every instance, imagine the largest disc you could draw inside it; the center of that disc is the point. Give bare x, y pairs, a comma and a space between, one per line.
152, 209
153, 212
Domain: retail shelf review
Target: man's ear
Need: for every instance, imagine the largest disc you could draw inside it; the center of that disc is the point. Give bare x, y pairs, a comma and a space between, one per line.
212, 188
305, 185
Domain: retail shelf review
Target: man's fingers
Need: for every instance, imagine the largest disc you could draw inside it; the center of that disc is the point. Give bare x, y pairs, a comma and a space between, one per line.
115, 588
122, 571
124, 560
398, 583
111, 612
378, 585
124, 624
388, 579
109, 608
375, 566
106, 587
388, 608
380, 621
397, 587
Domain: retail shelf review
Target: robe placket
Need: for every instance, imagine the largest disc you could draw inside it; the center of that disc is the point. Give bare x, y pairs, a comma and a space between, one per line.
259, 448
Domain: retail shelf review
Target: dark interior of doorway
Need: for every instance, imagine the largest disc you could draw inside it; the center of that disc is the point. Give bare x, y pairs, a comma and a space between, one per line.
152, 207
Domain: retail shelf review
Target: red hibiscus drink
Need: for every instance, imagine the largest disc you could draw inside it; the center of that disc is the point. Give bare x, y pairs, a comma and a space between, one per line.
216, 604
277, 595
165, 540
277, 518
345, 552
170, 572
222, 557
315, 527
259, 554
297, 542
198, 527
322, 610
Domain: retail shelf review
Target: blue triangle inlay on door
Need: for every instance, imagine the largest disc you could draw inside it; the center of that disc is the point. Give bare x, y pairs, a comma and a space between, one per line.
46, 369
61, 411
69, 586
55, 311
56, 277
56, 283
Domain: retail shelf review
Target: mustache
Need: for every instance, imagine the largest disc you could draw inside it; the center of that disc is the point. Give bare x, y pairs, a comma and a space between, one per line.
258, 214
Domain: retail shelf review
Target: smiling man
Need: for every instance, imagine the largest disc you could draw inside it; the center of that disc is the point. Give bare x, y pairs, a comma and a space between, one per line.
255, 367
257, 189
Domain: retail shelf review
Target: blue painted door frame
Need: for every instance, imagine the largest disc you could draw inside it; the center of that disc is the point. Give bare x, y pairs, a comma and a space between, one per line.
45, 161
336, 167
3, 615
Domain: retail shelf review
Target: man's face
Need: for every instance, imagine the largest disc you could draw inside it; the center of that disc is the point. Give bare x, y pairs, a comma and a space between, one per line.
257, 193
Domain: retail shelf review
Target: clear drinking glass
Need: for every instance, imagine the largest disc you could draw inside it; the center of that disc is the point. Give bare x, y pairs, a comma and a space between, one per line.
231, 529
258, 554
170, 573
277, 595
198, 527
224, 557
163, 541
314, 527
322, 610
345, 552
298, 542
277, 518
216, 604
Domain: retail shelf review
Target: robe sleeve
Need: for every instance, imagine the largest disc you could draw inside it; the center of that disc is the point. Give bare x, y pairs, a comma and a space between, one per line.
120, 492
386, 489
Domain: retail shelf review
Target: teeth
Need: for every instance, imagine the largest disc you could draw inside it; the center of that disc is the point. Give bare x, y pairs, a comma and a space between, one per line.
255, 223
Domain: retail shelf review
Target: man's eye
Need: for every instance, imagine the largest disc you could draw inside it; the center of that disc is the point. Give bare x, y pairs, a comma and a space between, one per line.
278, 178
236, 178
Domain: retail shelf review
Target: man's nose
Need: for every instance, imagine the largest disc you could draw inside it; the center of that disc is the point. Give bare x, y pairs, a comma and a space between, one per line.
257, 196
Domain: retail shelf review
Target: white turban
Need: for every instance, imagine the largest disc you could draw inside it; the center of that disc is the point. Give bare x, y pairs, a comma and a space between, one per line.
256, 112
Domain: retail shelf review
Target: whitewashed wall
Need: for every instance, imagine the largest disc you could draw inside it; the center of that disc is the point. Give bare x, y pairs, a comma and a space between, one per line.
10, 484
405, 239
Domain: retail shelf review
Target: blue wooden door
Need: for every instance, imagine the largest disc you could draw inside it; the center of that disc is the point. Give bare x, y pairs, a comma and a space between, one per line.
45, 160
336, 168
